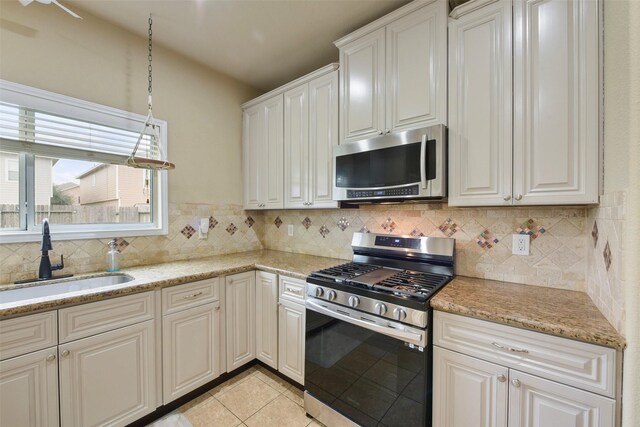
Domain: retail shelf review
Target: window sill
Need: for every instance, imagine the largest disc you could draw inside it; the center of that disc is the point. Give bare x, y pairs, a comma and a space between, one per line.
114, 230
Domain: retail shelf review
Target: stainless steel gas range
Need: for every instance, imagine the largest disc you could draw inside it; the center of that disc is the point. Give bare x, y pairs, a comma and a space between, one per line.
368, 334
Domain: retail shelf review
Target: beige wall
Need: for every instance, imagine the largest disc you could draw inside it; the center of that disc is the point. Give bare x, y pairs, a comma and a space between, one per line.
99, 62
131, 186
99, 186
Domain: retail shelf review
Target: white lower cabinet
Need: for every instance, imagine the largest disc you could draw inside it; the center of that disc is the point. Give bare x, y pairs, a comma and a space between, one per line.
240, 294
267, 318
109, 378
291, 330
29, 389
190, 349
472, 392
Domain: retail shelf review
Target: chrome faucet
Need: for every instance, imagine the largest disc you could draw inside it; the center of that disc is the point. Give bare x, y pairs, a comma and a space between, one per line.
45, 264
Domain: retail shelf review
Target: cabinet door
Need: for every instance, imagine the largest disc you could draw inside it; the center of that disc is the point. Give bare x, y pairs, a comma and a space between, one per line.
272, 154
536, 402
108, 378
362, 83
252, 133
480, 105
29, 390
190, 349
468, 392
416, 68
291, 329
556, 115
323, 135
267, 318
241, 320
296, 146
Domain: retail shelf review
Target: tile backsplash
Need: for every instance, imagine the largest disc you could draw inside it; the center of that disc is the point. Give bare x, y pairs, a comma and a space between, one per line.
605, 253
483, 237
231, 230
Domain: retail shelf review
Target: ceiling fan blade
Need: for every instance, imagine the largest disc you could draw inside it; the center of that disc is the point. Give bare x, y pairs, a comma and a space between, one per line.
66, 9
25, 2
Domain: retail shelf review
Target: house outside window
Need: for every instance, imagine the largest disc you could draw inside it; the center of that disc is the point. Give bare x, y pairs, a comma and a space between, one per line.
70, 169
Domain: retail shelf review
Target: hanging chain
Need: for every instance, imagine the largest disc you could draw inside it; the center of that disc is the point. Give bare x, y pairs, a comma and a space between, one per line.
150, 57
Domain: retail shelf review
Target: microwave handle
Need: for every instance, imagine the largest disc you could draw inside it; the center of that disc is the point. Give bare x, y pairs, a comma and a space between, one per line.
423, 163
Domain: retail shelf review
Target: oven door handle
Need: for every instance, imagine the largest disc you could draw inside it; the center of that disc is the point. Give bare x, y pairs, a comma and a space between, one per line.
410, 337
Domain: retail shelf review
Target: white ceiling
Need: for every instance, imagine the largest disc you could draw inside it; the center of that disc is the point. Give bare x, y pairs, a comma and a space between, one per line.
259, 42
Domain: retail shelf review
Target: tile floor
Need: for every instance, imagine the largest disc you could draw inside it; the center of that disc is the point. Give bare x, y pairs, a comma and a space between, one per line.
255, 397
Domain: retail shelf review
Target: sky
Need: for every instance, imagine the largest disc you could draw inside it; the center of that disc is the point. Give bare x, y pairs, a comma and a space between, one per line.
66, 170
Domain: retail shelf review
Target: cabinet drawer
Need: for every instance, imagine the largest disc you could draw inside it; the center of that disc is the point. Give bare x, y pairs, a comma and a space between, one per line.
292, 289
179, 297
28, 333
90, 319
586, 366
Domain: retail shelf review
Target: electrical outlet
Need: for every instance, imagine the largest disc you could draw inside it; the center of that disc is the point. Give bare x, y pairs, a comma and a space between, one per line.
520, 244
290, 229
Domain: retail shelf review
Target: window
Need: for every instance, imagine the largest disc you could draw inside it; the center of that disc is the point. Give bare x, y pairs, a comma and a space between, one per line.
64, 160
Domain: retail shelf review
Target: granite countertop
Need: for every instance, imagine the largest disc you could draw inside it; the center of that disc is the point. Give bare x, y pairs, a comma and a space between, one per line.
563, 313
174, 273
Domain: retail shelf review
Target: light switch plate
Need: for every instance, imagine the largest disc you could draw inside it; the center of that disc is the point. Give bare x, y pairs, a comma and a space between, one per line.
290, 229
520, 244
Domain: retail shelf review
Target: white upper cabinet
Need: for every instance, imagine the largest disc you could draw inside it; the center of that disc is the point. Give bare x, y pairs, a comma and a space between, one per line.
263, 154
310, 132
480, 105
556, 114
524, 128
393, 72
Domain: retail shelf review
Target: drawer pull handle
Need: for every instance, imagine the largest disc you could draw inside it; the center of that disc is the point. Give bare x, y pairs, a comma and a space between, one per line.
192, 296
295, 291
51, 358
511, 349
502, 378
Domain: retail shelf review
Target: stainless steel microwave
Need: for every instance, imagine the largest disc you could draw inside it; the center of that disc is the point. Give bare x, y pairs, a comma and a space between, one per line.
393, 167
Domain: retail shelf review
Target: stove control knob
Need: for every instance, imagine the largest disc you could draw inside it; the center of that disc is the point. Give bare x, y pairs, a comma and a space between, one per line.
354, 301
399, 314
331, 295
319, 292
380, 309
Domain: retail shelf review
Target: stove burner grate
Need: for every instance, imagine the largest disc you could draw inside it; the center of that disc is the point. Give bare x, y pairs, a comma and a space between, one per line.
346, 271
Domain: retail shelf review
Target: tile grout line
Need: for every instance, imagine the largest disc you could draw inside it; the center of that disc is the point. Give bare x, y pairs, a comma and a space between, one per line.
262, 407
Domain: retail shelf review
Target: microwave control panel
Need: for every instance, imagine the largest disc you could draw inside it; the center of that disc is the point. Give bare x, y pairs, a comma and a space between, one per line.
384, 192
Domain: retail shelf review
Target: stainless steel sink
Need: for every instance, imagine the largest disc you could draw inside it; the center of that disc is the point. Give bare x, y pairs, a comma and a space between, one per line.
60, 288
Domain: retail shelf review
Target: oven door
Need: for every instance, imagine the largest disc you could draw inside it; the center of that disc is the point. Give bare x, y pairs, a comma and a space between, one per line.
363, 368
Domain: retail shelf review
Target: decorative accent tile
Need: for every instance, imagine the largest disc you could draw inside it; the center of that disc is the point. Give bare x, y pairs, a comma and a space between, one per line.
278, 222
389, 225
607, 256
532, 228
249, 221
594, 233
121, 244
188, 231
212, 223
343, 223
306, 222
417, 233
486, 240
364, 229
231, 229
324, 231
449, 228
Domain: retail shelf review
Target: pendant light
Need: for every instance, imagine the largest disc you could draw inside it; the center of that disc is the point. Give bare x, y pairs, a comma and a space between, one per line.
154, 144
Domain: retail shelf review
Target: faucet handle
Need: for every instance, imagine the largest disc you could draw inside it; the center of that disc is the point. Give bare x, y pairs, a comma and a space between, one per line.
58, 266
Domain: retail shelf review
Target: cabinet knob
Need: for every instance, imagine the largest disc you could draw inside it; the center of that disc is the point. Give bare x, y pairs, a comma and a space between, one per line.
507, 198
65, 353
518, 197
516, 383
387, 131
51, 358
502, 378
380, 132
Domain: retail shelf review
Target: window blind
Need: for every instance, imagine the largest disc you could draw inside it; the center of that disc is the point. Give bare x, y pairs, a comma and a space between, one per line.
44, 123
